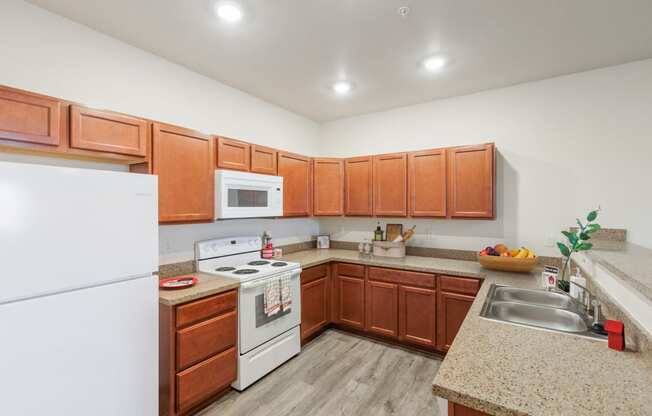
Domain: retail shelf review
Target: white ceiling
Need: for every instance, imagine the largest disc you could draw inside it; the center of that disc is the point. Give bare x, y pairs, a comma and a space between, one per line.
289, 52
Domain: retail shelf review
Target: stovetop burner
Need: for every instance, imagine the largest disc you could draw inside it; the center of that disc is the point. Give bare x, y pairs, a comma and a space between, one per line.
245, 271
258, 263
225, 269
279, 264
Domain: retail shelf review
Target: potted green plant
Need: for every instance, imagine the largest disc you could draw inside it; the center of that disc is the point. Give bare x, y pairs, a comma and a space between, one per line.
575, 242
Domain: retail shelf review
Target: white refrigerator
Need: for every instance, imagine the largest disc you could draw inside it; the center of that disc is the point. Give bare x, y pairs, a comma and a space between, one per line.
78, 301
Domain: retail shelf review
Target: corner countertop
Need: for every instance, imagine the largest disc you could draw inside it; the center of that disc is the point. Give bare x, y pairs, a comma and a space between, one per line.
627, 261
504, 369
206, 286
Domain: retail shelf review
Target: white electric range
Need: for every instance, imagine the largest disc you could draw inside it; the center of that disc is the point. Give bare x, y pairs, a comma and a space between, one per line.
264, 342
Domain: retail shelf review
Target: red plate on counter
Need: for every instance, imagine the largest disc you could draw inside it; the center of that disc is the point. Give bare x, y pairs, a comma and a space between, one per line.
179, 282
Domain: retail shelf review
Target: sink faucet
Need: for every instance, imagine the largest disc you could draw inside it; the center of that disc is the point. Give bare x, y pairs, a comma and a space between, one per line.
587, 300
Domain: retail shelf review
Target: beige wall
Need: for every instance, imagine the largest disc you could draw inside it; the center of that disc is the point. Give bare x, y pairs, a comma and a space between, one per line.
565, 145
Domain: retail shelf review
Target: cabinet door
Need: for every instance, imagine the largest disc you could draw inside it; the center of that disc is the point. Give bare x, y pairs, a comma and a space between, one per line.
382, 308
201, 381
184, 161
427, 183
314, 307
232, 154
451, 311
29, 118
417, 313
471, 181
297, 184
390, 185
104, 131
455, 409
350, 308
328, 187
263, 160
358, 190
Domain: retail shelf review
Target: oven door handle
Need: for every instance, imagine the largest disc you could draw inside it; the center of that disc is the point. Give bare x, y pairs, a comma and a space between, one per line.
263, 281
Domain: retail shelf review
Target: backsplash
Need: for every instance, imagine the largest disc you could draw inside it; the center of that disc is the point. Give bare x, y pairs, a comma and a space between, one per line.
177, 242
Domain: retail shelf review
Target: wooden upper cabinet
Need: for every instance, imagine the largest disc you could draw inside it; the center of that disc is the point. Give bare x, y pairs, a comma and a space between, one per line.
233, 154
104, 131
358, 174
30, 118
390, 185
184, 161
297, 184
263, 160
328, 187
427, 183
471, 181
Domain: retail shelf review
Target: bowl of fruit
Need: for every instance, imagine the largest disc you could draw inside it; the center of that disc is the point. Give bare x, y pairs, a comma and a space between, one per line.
500, 257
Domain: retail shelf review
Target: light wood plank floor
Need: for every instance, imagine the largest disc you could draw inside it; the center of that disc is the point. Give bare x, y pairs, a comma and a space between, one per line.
340, 374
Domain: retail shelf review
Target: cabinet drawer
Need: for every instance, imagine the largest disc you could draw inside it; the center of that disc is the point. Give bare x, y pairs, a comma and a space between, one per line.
402, 277
200, 341
464, 285
352, 270
314, 273
206, 308
205, 379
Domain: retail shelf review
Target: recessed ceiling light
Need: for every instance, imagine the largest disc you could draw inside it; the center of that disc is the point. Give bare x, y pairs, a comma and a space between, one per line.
342, 87
229, 12
434, 63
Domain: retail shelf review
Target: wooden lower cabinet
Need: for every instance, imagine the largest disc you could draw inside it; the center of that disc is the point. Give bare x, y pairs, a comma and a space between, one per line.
205, 379
455, 409
382, 308
455, 297
417, 315
315, 296
349, 295
197, 352
414, 308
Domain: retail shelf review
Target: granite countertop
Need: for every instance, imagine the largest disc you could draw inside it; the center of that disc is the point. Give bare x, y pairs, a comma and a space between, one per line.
627, 261
207, 285
504, 369
309, 258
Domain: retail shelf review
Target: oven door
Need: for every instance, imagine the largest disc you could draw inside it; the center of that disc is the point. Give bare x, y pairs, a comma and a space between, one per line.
247, 195
255, 327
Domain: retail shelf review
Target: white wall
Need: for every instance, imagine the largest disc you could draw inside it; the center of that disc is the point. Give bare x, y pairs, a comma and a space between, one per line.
46, 53
565, 145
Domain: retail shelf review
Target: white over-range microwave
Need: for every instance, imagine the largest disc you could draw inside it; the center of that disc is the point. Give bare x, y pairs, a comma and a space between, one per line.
247, 195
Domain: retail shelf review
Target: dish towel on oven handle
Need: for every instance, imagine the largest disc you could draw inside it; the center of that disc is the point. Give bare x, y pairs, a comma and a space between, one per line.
272, 297
286, 292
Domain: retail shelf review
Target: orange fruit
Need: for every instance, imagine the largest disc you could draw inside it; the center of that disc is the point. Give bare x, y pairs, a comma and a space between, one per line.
500, 248
513, 252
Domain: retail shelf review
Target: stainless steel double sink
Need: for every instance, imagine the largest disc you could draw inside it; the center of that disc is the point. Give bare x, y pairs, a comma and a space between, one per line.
538, 309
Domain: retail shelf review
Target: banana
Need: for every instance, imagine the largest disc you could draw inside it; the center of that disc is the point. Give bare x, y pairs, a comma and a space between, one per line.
530, 254
522, 253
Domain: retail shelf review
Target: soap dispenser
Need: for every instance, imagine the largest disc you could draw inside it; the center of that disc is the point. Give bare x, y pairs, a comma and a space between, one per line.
576, 291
